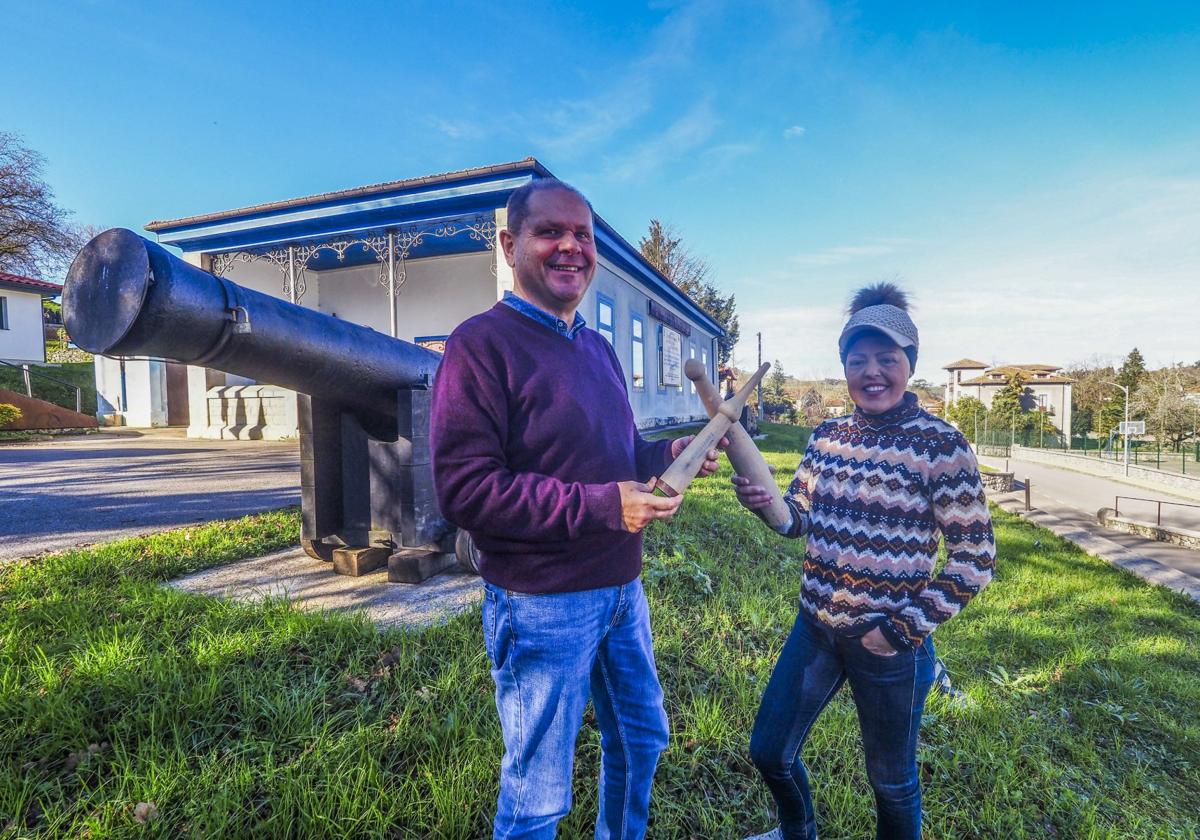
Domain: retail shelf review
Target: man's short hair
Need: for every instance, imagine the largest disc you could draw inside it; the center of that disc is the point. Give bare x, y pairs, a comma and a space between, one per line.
518, 202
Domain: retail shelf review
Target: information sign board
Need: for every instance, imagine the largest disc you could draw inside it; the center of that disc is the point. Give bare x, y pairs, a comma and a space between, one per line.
672, 359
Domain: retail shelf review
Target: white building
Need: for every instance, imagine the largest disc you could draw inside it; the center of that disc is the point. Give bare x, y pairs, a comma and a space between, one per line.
1045, 388
411, 259
22, 340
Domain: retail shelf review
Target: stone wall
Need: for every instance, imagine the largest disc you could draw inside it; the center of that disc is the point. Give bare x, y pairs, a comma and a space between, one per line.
1000, 482
1175, 536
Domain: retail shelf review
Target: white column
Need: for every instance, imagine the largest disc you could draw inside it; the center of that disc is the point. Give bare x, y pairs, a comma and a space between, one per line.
504, 274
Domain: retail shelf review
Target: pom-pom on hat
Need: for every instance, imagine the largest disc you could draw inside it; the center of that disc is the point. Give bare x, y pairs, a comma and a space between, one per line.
883, 308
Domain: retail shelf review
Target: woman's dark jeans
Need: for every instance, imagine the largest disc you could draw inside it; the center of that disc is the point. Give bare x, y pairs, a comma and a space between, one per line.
889, 692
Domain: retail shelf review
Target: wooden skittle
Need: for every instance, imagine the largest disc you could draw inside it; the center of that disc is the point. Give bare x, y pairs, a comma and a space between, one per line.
683, 469
747, 461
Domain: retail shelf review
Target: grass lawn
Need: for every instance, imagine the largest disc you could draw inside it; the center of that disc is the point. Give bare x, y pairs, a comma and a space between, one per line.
260, 720
81, 374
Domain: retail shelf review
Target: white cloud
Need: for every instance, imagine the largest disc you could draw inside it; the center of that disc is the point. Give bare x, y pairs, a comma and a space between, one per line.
840, 254
1094, 266
793, 132
680, 138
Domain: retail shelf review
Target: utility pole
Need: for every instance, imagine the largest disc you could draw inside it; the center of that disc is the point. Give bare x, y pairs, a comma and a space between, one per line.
760, 407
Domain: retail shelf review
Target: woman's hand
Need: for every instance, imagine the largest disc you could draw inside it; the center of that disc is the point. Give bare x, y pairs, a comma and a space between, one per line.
878, 644
752, 496
710, 464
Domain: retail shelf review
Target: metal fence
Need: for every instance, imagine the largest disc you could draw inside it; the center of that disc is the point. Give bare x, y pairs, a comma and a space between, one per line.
1150, 454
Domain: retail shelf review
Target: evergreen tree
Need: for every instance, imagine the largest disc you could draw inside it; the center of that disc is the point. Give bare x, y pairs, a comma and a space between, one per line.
1006, 405
1132, 372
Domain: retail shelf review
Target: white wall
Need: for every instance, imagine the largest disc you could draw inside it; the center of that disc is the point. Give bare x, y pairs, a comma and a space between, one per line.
133, 396
654, 404
438, 294
23, 340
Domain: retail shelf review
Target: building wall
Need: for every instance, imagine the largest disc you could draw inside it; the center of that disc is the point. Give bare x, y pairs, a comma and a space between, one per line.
438, 294
1057, 399
654, 404
23, 341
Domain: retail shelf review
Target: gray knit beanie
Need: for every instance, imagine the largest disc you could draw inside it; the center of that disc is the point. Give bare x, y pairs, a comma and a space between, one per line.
883, 308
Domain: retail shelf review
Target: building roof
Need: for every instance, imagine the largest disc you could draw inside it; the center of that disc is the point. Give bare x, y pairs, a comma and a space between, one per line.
999, 376
381, 206
965, 364
356, 192
17, 283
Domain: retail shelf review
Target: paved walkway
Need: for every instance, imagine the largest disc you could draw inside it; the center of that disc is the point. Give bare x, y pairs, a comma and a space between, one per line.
78, 490
1067, 503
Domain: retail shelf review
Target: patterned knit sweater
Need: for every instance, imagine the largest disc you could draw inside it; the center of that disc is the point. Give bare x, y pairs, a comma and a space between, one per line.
873, 496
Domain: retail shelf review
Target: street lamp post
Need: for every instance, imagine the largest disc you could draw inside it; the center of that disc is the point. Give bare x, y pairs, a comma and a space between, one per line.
1126, 435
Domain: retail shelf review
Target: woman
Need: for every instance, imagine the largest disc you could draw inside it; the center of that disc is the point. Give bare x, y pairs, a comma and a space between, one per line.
873, 495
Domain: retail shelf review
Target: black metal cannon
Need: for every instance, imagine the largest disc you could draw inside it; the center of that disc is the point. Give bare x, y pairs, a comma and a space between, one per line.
365, 475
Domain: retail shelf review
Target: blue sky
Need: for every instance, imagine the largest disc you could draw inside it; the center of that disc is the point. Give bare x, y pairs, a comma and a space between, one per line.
1029, 171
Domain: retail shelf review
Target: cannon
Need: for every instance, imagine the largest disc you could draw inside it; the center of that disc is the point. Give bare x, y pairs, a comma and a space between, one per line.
366, 478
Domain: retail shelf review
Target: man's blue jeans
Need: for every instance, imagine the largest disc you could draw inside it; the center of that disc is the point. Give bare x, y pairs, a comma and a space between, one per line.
889, 692
549, 653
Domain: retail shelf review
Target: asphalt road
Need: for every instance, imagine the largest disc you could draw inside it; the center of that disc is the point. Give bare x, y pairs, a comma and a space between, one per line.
75, 491
1089, 493
1076, 497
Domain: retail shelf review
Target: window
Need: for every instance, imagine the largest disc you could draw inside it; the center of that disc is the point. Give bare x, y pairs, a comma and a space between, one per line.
3, 313
691, 384
637, 342
704, 361
604, 318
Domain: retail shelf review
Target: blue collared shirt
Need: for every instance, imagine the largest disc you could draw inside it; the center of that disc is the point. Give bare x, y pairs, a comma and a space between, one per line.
543, 317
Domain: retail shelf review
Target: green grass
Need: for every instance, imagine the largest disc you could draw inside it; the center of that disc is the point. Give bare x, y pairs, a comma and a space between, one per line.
260, 720
81, 374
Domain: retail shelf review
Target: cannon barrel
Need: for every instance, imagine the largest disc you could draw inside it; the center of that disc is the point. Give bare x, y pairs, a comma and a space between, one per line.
126, 296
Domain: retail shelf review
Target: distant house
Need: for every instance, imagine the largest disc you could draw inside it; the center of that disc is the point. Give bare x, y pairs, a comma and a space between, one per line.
933, 406
836, 407
1045, 388
21, 333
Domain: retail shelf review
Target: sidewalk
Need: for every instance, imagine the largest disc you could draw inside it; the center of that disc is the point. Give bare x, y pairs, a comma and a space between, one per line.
1066, 502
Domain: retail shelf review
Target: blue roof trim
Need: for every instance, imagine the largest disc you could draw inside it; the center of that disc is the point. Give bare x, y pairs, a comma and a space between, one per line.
472, 194
342, 217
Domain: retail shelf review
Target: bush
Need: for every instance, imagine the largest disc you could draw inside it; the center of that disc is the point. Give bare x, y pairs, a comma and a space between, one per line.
9, 414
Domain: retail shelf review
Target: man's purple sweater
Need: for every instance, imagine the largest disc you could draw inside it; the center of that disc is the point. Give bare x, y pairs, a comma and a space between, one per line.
530, 434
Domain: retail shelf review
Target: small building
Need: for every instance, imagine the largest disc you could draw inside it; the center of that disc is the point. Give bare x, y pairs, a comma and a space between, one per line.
1046, 389
412, 259
836, 407
22, 336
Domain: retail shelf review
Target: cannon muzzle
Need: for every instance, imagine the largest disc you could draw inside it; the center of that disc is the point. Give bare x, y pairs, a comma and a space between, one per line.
126, 296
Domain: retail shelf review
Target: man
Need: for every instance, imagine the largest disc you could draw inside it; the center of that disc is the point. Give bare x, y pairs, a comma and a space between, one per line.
535, 453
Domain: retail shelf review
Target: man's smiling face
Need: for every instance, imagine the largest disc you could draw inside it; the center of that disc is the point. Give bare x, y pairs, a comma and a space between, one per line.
553, 255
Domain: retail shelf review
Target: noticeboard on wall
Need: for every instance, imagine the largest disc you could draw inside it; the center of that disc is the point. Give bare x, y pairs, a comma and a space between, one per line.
671, 375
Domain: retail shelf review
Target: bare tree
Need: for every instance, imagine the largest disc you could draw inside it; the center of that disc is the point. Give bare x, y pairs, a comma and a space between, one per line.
1162, 399
36, 237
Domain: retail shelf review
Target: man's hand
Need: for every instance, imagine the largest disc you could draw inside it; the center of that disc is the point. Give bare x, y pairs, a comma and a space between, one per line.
710, 459
640, 507
878, 644
752, 496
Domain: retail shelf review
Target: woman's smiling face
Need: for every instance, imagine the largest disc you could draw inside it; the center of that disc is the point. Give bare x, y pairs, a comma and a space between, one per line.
877, 373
